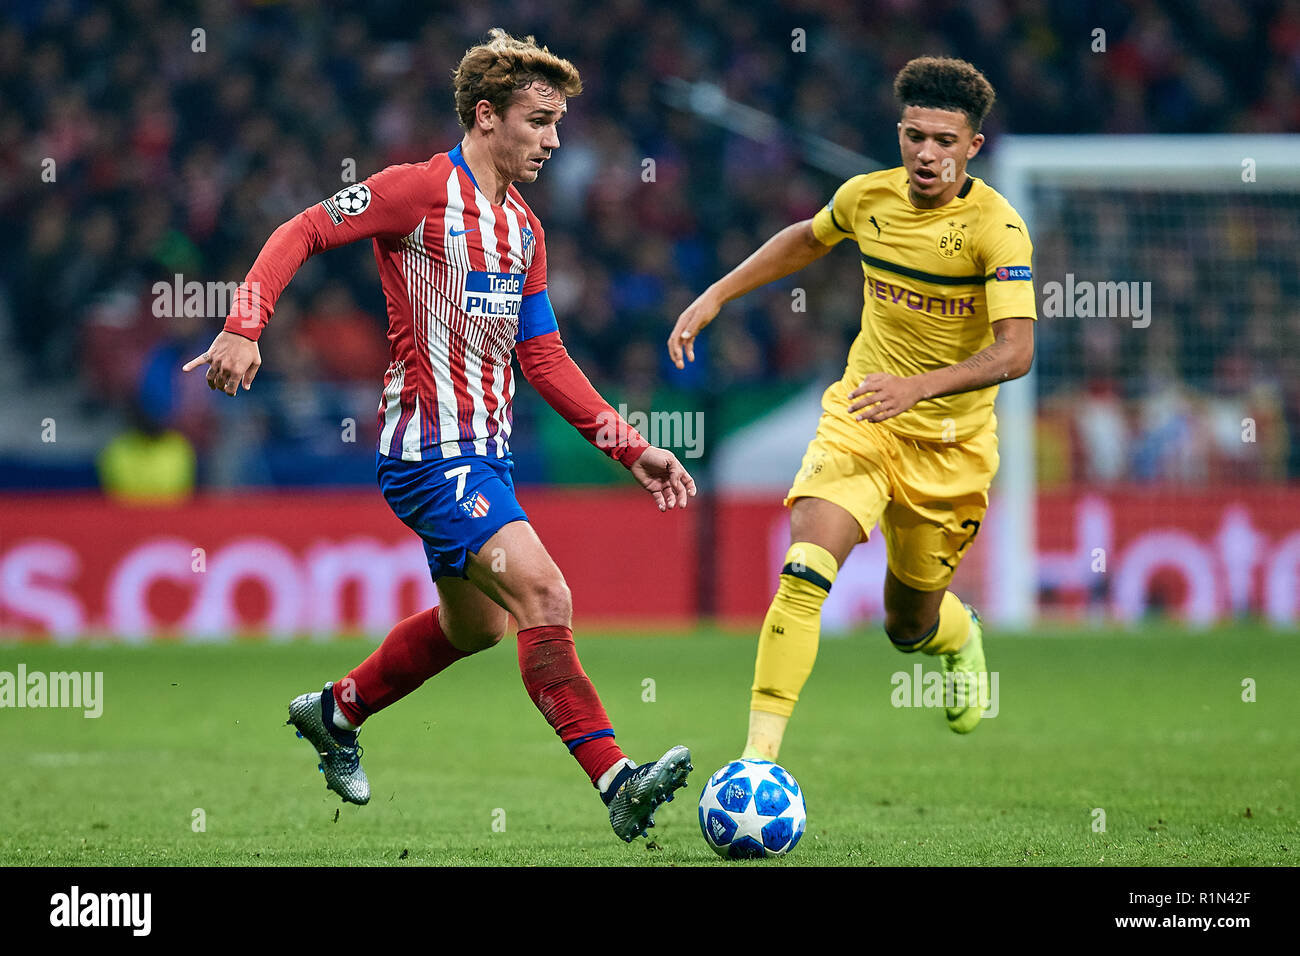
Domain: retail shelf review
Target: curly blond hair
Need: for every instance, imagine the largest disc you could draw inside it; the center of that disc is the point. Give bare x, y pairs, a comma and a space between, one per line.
504, 65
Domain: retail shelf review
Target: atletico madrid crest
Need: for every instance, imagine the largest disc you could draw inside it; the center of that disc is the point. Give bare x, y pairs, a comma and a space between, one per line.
476, 505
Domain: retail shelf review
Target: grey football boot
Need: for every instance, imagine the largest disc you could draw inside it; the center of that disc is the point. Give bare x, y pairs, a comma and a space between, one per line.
632, 807
340, 757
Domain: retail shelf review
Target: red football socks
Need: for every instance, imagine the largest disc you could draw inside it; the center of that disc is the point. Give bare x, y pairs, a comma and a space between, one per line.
413, 651
548, 662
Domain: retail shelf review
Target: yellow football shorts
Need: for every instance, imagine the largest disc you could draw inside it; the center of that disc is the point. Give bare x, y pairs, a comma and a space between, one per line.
929, 497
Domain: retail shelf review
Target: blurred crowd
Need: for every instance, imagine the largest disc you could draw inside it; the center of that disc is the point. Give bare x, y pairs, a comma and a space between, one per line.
143, 140
1206, 385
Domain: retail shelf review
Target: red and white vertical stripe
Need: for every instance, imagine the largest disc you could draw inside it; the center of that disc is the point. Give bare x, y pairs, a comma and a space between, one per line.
452, 395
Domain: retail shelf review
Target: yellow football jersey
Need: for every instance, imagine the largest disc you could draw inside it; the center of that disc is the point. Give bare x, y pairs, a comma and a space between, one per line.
936, 280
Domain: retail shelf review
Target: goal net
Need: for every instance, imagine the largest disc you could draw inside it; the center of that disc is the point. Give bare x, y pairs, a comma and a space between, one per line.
1151, 460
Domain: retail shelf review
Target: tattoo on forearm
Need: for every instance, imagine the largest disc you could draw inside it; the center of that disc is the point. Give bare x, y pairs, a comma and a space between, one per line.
989, 361
980, 359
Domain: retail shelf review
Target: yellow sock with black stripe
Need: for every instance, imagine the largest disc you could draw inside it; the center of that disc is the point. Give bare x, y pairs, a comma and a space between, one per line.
949, 633
787, 645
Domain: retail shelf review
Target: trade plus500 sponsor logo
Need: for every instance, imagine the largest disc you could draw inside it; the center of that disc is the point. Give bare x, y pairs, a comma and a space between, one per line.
493, 294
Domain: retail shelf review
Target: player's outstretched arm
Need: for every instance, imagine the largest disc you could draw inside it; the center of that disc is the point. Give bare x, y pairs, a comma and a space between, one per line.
882, 395
788, 251
388, 204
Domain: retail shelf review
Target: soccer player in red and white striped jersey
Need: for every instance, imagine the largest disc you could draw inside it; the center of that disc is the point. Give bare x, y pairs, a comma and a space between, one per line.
462, 261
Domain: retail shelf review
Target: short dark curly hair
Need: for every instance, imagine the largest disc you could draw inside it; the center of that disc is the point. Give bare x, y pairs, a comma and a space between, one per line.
943, 83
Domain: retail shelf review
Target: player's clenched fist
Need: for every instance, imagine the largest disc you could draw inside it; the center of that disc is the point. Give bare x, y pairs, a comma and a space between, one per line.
661, 474
231, 359
689, 325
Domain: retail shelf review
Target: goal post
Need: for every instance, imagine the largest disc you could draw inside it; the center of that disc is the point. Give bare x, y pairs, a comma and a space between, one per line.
1046, 178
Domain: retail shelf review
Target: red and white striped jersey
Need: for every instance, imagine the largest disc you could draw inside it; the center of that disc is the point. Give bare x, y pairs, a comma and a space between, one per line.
455, 269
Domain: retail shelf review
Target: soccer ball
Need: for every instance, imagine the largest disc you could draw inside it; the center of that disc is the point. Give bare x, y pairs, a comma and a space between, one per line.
750, 809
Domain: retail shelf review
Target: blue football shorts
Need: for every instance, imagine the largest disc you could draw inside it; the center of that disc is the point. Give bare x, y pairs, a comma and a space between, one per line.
454, 504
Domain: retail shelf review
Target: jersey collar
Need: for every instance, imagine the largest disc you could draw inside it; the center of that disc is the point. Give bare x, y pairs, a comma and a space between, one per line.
961, 193
458, 158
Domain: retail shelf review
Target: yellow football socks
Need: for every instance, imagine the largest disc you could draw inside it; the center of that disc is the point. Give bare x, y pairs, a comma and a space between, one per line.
954, 627
787, 645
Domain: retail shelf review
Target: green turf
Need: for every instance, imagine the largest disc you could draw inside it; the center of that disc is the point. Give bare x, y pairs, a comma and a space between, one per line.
1148, 726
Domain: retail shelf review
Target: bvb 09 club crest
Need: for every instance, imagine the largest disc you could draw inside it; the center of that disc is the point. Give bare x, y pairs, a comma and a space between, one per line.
952, 241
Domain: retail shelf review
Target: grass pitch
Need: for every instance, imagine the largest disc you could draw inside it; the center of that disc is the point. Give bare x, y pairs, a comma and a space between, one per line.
1149, 727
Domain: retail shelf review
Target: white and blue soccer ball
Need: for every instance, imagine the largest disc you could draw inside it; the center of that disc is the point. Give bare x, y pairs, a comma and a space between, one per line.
751, 809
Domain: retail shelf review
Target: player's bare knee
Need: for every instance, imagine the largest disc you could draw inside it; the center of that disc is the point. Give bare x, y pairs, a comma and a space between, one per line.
549, 600
559, 601
825, 524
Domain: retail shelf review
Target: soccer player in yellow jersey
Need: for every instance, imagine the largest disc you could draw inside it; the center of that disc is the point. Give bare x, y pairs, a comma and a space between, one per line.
907, 437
